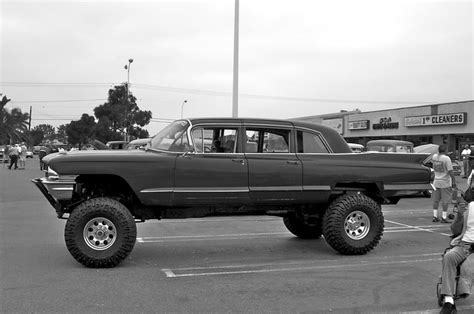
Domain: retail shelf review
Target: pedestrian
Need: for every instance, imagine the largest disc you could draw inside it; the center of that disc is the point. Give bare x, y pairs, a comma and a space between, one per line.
5, 155
22, 157
461, 247
466, 152
13, 154
443, 182
471, 160
41, 154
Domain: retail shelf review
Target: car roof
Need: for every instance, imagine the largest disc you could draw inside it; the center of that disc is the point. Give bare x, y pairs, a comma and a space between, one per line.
337, 143
389, 142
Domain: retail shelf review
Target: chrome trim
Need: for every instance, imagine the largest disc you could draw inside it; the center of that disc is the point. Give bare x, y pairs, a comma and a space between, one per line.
316, 188
408, 186
196, 190
275, 188
157, 190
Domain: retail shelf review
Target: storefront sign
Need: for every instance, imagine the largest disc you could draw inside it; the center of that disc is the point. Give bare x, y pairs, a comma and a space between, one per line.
336, 124
437, 119
358, 125
385, 123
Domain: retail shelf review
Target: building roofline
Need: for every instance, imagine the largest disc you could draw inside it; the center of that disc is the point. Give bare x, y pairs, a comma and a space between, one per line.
357, 111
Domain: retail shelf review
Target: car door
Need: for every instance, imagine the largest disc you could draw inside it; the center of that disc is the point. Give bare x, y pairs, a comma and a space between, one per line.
314, 154
275, 173
216, 172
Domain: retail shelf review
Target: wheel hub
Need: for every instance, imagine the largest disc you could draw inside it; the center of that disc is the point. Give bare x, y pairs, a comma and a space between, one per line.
357, 225
99, 233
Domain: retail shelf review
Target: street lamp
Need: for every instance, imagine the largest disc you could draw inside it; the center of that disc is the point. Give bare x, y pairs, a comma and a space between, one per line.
182, 107
127, 67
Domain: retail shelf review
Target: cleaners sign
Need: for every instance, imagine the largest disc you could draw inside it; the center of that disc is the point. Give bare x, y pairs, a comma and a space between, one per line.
437, 119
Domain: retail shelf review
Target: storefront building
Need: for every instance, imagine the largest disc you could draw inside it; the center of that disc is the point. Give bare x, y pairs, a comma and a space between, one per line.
449, 123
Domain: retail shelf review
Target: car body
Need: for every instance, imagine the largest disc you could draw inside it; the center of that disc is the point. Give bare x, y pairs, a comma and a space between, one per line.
390, 146
303, 172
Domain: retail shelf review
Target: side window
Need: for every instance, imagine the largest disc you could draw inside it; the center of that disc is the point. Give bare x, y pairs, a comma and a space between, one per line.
310, 143
267, 141
214, 140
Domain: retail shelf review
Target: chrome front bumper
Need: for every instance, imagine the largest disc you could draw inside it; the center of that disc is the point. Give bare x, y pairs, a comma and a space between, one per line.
55, 191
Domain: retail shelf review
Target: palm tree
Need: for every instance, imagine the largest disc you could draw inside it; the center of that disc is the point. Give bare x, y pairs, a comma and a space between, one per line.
13, 125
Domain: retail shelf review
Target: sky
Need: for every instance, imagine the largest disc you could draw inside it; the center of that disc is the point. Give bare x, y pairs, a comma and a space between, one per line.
296, 58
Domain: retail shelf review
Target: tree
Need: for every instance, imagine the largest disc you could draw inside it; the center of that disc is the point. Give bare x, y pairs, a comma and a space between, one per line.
61, 133
13, 125
49, 131
119, 115
80, 132
36, 137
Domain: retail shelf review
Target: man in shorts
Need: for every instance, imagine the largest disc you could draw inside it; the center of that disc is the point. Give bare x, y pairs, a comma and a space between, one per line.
443, 182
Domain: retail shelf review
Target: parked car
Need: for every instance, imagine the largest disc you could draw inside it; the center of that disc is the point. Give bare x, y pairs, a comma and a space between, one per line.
356, 148
117, 144
138, 143
305, 173
390, 146
29, 154
432, 149
2, 148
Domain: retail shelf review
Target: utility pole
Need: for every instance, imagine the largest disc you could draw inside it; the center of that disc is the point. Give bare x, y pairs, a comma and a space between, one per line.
29, 121
127, 102
235, 89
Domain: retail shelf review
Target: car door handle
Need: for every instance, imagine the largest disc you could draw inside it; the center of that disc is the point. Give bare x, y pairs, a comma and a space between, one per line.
241, 161
292, 162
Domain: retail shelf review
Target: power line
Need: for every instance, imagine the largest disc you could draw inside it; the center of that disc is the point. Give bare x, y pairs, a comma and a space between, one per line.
64, 100
213, 93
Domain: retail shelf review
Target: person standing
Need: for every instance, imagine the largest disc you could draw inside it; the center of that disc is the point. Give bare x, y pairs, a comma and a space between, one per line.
13, 154
22, 157
466, 152
443, 182
461, 246
41, 155
471, 160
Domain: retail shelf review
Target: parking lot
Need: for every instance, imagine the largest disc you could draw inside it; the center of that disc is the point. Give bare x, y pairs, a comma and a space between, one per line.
222, 264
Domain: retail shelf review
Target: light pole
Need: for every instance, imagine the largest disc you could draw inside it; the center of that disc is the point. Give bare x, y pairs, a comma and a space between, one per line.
182, 107
127, 67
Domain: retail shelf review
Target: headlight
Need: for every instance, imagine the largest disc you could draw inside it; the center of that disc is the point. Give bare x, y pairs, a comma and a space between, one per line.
51, 174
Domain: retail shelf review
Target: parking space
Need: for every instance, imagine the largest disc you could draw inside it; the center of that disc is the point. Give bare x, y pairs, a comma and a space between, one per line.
222, 264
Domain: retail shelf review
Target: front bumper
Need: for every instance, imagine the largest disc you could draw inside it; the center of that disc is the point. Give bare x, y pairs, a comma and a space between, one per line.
55, 191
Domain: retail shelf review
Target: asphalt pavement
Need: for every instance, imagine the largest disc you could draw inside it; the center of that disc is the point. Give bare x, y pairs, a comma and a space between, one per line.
222, 264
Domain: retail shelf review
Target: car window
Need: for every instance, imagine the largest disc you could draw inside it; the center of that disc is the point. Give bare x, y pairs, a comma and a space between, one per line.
172, 138
267, 141
214, 139
310, 143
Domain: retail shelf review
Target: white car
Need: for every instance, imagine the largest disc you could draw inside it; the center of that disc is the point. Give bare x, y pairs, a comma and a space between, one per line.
29, 154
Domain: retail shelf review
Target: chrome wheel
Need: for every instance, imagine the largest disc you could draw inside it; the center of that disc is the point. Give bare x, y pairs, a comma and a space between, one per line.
99, 233
357, 225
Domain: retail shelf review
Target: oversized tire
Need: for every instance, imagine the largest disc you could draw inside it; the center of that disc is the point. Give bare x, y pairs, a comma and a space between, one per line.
353, 224
100, 232
303, 229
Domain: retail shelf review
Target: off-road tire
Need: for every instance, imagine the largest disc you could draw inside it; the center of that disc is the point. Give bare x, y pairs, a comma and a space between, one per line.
91, 246
353, 224
302, 229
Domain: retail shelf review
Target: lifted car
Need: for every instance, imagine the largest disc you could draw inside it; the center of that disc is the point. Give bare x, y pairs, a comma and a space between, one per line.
302, 172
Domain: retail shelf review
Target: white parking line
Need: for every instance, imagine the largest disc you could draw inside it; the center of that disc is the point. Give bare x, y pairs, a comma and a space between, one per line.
417, 228
233, 236
247, 269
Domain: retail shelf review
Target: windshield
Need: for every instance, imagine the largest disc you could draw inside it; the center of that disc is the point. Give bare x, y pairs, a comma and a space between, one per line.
172, 138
